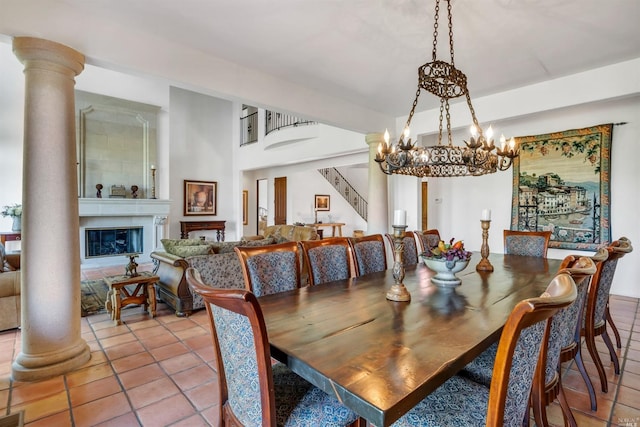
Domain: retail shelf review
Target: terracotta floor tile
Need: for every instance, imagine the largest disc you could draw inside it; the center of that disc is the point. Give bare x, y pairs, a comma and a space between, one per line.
168, 351
580, 402
152, 392
633, 354
87, 375
180, 363
144, 324
93, 391
206, 353
111, 331
212, 415
632, 366
142, 375
625, 416
117, 340
59, 419
181, 324
149, 332
204, 396
166, 411
194, 377
194, 331
101, 410
27, 392
631, 380
160, 340
126, 420
124, 350
628, 396
193, 421
199, 341
131, 362
36, 409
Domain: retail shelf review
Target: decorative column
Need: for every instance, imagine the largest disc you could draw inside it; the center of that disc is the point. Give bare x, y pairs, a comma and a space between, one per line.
377, 197
50, 273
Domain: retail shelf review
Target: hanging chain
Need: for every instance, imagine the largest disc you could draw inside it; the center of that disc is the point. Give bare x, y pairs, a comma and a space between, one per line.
450, 32
435, 31
413, 109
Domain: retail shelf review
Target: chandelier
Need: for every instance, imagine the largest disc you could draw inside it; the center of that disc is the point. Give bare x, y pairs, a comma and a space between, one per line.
479, 155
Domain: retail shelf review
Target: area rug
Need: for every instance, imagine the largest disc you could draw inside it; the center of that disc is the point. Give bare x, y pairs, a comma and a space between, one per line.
93, 296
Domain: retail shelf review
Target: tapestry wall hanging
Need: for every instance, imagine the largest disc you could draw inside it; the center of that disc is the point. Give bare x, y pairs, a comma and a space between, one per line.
561, 183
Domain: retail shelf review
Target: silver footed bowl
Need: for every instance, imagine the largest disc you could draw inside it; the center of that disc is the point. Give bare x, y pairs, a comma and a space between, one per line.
445, 270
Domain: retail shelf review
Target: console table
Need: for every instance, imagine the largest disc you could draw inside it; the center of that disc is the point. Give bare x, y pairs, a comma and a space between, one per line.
9, 236
187, 226
334, 226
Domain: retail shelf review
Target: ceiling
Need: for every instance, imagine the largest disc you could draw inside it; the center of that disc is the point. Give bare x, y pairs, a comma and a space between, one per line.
346, 62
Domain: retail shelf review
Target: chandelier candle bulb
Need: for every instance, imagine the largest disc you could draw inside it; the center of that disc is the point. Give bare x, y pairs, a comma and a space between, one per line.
399, 217
486, 215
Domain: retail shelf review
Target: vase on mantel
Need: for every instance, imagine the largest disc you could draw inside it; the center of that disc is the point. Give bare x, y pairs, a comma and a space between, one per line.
17, 223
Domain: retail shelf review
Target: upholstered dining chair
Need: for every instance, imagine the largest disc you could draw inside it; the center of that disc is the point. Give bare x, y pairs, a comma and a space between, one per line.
369, 253
271, 268
595, 320
428, 239
328, 259
410, 252
572, 346
252, 391
461, 401
528, 243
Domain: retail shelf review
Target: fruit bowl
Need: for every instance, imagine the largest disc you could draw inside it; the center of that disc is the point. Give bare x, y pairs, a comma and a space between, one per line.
445, 270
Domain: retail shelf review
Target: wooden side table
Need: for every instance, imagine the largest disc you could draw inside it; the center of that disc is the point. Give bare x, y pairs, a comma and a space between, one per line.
119, 296
188, 226
9, 236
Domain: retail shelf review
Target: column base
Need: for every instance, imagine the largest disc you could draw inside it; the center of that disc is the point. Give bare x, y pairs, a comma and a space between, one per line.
38, 367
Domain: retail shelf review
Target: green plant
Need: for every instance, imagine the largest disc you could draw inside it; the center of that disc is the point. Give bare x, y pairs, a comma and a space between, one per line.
12, 210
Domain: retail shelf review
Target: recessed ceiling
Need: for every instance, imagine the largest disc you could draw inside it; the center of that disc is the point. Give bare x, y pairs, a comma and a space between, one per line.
362, 53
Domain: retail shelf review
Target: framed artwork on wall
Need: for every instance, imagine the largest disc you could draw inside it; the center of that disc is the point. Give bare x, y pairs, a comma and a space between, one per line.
322, 202
200, 197
561, 184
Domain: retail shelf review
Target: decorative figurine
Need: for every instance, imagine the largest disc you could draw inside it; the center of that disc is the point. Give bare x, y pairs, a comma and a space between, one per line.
131, 268
99, 192
134, 191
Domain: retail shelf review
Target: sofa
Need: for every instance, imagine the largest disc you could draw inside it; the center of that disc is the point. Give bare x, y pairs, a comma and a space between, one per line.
217, 263
9, 290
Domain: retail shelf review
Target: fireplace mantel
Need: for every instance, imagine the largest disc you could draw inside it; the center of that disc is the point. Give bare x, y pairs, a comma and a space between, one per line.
89, 207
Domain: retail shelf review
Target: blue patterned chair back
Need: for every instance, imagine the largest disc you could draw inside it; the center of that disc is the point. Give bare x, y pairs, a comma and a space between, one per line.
328, 259
429, 239
410, 250
524, 335
270, 269
526, 243
370, 254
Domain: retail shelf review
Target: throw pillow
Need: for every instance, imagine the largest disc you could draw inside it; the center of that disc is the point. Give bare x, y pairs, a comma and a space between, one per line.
187, 251
169, 244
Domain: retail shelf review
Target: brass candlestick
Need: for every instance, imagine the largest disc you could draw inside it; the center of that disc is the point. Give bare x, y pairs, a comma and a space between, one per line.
484, 264
153, 183
398, 292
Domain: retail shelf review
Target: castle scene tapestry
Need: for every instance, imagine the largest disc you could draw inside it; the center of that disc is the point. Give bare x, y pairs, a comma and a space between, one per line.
561, 183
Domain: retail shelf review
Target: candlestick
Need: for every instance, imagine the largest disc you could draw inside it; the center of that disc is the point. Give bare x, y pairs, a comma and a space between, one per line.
484, 264
153, 182
399, 217
398, 291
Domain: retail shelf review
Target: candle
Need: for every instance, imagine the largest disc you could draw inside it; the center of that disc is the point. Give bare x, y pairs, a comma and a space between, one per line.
399, 217
486, 215
153, 167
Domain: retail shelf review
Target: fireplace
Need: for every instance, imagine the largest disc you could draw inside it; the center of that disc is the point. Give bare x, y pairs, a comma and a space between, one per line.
112, 228
101, 242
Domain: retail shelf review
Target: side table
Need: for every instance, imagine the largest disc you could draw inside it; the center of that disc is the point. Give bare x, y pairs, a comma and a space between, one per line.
119, 296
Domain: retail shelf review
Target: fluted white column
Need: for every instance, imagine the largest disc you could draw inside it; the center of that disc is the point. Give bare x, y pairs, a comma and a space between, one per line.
50, 273
377, 198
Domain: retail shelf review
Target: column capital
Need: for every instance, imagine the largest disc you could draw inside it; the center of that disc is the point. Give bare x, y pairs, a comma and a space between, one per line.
374, 138
45, 54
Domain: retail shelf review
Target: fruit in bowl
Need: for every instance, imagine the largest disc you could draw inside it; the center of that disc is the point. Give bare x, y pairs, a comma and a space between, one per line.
446, 260
448, 251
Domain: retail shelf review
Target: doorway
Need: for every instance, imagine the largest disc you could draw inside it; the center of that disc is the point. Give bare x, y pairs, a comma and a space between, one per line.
280, 200
424, 191
262, 198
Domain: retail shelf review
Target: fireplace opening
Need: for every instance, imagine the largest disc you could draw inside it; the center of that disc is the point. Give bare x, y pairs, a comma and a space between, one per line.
103, 242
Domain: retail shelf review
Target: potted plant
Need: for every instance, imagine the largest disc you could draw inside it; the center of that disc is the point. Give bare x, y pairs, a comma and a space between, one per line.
15, 212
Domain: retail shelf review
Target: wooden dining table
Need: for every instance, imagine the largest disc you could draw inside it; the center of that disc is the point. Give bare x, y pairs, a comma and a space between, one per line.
380, 357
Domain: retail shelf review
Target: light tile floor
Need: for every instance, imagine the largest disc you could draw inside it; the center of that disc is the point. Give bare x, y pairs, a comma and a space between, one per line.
160, 372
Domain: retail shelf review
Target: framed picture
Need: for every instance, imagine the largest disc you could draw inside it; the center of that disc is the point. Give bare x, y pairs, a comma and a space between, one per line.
561, 184
322, 202
245, 207
200, 197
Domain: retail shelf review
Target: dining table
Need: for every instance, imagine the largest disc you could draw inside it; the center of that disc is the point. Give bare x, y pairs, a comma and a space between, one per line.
381, 357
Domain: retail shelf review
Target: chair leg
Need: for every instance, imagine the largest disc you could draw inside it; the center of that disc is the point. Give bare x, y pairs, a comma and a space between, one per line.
587, 380
593, 351
613, 327
612, 352
569, 419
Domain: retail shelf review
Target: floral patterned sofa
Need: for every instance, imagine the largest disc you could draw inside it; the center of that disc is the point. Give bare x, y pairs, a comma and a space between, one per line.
217, 263
9, 290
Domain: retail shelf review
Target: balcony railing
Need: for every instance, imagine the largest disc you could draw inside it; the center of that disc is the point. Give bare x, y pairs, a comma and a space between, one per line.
276, 121
249, 128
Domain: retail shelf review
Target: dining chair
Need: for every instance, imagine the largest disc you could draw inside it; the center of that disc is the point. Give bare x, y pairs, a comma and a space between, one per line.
369, 253
572, 347
547, 385
252, 391
595, 321
461, 401
428, 239
527, 243
410, 251
271, 268
328, 259
610, 319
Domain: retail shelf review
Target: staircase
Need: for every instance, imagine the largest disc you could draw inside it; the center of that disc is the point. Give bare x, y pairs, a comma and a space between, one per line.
345, 189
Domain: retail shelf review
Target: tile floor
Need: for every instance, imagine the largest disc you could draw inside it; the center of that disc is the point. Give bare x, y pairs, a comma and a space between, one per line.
159, 372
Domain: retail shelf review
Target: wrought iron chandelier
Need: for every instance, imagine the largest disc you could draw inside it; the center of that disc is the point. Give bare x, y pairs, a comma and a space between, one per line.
479, 156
